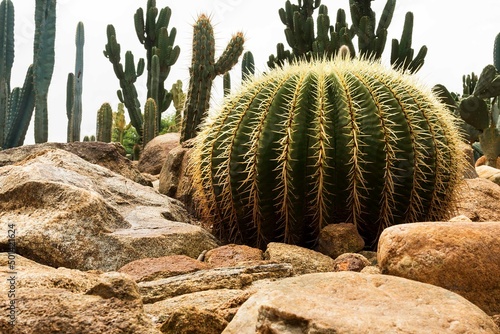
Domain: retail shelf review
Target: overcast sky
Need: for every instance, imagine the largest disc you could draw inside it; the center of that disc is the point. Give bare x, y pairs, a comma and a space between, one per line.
458, 33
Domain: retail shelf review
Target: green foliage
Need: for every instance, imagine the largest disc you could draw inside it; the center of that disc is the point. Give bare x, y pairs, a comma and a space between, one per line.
104, 123
204, 68
74, 88
321, 143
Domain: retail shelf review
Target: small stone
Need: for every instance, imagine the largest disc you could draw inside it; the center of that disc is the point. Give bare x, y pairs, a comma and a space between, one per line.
350, 262
489, 173
337, 239
193, 320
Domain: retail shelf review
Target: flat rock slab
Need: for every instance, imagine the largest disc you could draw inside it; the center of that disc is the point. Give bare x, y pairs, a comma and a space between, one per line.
68, 212
348, 302
463, 257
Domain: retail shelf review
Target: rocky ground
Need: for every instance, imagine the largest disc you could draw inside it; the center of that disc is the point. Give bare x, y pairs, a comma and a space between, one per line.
98, 250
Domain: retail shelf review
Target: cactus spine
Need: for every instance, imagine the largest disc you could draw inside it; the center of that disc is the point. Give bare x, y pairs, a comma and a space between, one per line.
104, 123
74, 88
321, 143
203, 71
150, 121
43, 63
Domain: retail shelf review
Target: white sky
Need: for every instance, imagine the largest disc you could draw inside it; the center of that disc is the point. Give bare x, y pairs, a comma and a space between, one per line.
458, 33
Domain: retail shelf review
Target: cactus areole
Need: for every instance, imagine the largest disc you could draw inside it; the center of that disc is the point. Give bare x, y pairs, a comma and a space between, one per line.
321, 143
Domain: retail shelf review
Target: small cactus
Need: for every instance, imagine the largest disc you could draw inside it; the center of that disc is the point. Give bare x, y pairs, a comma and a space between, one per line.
150, 121
104, 123
321, 143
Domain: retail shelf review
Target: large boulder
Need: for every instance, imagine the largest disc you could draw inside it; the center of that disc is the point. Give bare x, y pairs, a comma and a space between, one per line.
479, 200
155, 153
489, 173
348, 302
68, 212
463, 257
108, 155
48, 300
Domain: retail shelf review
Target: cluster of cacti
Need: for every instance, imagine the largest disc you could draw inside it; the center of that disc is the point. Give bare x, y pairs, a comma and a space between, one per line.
326, 43
104, 123
325, 142
161, 54
74, 88
480, 108
158, 41
300, 35
204, 68
16, 106
247, 72
87, 138
150, 121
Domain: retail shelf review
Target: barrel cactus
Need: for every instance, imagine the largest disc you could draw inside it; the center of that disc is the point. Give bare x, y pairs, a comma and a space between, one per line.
325, 142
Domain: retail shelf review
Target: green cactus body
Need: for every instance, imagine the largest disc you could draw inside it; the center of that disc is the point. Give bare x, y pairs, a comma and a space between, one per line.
6, 62
104, 123
226, 83
496, 52
150, 121
43, 63
322, 143
203, 71
247, 66
75, 88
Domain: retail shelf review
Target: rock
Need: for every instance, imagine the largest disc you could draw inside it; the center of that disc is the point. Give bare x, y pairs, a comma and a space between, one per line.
469, 171
350, 262
70, 213
175, 179
462, 257
482, 161
155, 153
222, 302
461, 218
302, 259
479, 200
218, 278
232, 255
489, 173
193, 320
68, 301
496, 319
108, 155
151, 269
349, 302
337, 239
371, 270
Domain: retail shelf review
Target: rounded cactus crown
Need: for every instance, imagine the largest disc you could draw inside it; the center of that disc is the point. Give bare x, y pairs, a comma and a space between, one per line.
325, 142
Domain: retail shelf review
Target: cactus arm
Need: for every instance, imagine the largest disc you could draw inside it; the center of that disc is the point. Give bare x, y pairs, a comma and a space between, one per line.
247, 66
44, 56
230, 56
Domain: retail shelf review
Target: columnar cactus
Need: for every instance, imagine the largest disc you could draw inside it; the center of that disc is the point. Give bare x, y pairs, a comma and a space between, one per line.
43, 63
203, 71
104, 123
247, 66
321, 143
75, 87
150, 121
496, 52
119, 123
179, 98
6, 62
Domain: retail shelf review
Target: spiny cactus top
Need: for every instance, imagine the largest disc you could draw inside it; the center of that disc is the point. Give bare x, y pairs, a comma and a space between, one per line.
326, 142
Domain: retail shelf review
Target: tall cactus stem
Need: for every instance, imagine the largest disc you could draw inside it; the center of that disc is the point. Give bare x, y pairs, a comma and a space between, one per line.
104, 123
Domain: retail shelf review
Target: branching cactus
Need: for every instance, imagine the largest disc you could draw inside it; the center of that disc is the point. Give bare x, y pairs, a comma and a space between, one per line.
204, 68
321, 143
104, 123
